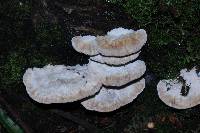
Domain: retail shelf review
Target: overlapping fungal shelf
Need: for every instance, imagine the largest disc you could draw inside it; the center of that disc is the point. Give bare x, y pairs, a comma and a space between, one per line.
60, 84
112, 78
182, 92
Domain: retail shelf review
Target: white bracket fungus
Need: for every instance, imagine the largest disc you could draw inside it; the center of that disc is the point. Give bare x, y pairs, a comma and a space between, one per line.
60, 84
113, 64
117, 42
121, 44
111, 99
182, 92
120, 75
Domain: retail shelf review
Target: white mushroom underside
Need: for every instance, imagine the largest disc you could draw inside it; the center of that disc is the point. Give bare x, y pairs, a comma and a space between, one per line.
60, 84
169, 91
122, 45
124, 42
111, 99
118, 76
115, 60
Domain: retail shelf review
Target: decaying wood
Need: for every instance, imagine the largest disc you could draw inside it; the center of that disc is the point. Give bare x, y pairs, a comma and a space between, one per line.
90, 128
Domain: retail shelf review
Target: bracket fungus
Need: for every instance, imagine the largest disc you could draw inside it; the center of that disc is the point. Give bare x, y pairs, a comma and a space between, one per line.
118, 75
117, 42
112, 78
60, 84
182, 92
111, 99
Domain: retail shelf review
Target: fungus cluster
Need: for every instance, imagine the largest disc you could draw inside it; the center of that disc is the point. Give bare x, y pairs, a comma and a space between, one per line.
112, 78
182, 92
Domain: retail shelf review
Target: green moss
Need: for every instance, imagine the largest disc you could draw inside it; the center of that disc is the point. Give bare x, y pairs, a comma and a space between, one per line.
140, 10
11, 71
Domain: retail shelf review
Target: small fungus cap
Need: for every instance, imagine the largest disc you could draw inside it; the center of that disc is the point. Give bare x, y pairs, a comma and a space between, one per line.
85, 44
181, 94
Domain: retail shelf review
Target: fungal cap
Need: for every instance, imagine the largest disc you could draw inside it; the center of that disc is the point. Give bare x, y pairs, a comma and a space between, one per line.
60, 84
121, 42
85, 44
111, 99
170, 91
